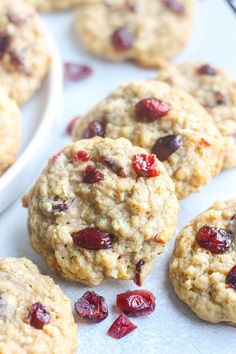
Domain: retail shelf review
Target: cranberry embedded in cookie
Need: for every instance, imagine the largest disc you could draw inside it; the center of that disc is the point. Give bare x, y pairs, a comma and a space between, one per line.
5, 41
175, 6
231, 278
145, 165
206, 69
164, 147
92, 175
91, 307
216, 240
151, 109
95, 128
92, 239
38, 316
122, 39
81, 155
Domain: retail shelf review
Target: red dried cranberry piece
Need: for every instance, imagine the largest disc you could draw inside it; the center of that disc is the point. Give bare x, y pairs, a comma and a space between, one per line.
151, 109
138, 271
122, 39
174, 6
231, 278
216, 240
55, 157
205, 142
71, 125
206, 69
92, 307
145, 165
59, 208
92, 239
81, 155
77, 72
92, 175
95, 128
114, 166
38, 316
136, 303
5, 41
220, 98
121, 327
166, 146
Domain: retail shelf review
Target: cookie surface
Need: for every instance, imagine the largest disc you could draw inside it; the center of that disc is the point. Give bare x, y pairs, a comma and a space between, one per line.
50, 5
22, 329
10, 131
24, 58
216, 91
127, 208
147, 32
144, 112
201, 278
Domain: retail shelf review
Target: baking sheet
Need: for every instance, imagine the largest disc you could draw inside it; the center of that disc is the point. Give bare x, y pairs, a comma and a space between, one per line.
172, 328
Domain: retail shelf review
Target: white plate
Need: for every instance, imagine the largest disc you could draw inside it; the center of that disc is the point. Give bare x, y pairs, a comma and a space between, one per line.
39, 114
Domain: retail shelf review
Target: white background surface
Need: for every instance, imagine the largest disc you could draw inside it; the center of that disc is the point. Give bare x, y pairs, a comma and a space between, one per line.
173, 328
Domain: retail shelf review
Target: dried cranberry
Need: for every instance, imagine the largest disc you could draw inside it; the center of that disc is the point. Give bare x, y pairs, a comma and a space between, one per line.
166, 146
55, 157
121, 327
206, 69
138, 270
95, 128
174, 6
92, 175
92, 239
60, 207
231, 278
5, 41
92, 307
38, 316
214, 239
18, 61
205, 142
122, 39
220, 98
81, 155
151, 109
145, 165
114, 166
71, 125
137, 303
77, 72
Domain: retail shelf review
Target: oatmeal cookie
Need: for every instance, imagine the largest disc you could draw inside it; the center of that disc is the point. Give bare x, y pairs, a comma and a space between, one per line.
24, 58
10, 131
147, 32
216, 91
35, 316
167, 122
203, 265
105, 210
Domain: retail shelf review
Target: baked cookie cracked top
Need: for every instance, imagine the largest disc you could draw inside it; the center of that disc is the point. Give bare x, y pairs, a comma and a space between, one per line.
24, 58
203, 265
167, 122
101, 209
51, 5
10, 131
147, 32
35, 316
216, 91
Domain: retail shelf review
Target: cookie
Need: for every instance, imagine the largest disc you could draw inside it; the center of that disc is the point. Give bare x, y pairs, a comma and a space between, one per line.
35, 316
203, 265
51, 5
105, 210
10, 131
147, 32
165, 121
24, 57
216, 91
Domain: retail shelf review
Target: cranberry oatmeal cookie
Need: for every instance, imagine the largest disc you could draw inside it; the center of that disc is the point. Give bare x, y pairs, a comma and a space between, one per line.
105, 210
35, 316
216, 91
147, 32
10, 131
165, 121
24, 58
203, 265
